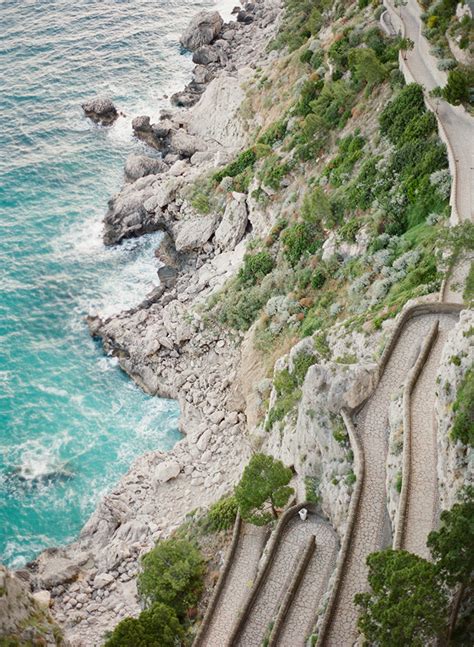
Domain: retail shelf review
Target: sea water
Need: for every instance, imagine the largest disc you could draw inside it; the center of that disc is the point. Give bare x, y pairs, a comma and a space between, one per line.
71, 422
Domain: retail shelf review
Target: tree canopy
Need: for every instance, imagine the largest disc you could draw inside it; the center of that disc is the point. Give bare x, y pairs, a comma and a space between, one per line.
158, 626
407, 604
262, 488
172, 574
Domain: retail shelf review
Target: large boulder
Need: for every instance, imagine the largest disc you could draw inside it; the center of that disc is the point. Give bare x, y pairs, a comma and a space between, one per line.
185, 145
195, 232
101, 111
140, 165
202, 30
233, 223
205, 55
166, 471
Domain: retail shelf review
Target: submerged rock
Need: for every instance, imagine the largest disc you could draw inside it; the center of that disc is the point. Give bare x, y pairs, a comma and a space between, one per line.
101, 111
202, 30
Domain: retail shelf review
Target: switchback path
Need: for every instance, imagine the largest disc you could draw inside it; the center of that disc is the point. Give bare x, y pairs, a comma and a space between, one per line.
238, 583
370, 531
422, 502
294, 538
299, 620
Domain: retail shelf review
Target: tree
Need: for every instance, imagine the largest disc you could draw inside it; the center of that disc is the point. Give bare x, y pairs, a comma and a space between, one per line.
452, 549
158, 626
262, 488
173, 574
407, 604
367, 66
456, 90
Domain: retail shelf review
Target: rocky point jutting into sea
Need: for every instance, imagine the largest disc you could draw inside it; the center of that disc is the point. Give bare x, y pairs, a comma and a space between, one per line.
306, 310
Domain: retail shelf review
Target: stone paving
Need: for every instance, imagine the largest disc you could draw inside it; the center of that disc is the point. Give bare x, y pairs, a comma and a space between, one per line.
300, 618
370, 529
265, 607
239, 581
422, 503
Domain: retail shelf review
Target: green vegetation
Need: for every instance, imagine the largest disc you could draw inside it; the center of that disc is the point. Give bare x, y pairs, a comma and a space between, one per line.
407, 604
288, 388
263, 488
157, 626
170, 584
255, 267
222, 514
172, 574
463, 407
468, 294
414, 601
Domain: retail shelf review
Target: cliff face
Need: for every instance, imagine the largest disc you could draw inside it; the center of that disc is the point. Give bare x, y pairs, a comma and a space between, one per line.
24, 618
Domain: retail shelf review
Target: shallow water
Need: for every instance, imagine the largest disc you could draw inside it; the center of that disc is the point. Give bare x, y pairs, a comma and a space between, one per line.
70, 421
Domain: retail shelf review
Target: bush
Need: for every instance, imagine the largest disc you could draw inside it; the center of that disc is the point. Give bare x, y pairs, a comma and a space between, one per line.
275, 133
299, 239
463, 407
273, 171
398, 114
456, 90
221, 515
172, 574
158, 626
318, 279
255, 267
244, 161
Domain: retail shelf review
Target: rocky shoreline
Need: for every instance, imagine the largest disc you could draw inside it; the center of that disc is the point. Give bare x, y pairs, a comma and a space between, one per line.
164, 344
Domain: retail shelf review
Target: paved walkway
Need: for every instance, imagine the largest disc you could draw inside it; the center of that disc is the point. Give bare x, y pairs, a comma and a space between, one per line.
422, 509
370, 532
299, 621
237, 587
457, 123
265, 607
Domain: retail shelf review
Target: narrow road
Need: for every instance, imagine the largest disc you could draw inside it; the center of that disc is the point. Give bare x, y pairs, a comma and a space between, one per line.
422, 509
371, 529
265, 607
300, 618
457, 123
238, 584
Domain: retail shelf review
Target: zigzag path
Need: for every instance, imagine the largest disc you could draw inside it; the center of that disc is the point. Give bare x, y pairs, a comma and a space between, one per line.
264, 609
237, 586
371, 528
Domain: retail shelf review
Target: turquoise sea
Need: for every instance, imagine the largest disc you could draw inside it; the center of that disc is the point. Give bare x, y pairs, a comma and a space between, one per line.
71, 422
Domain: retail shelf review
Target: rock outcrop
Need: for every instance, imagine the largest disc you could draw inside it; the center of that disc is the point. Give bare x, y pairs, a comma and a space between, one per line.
24, 617
101, 111
202, 30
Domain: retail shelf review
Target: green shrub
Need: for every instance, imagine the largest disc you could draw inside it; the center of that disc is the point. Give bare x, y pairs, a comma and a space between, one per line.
318, 279
221, 515
300, 239
398, 114
244, 161
172, 574
157, 626
274, 133
463, 407
456, 90
255, 267
273, 171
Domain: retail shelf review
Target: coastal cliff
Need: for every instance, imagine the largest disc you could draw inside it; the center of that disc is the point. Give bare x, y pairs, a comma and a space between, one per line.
295, 240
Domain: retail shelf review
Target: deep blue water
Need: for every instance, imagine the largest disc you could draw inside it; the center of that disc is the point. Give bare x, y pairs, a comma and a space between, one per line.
70, 421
